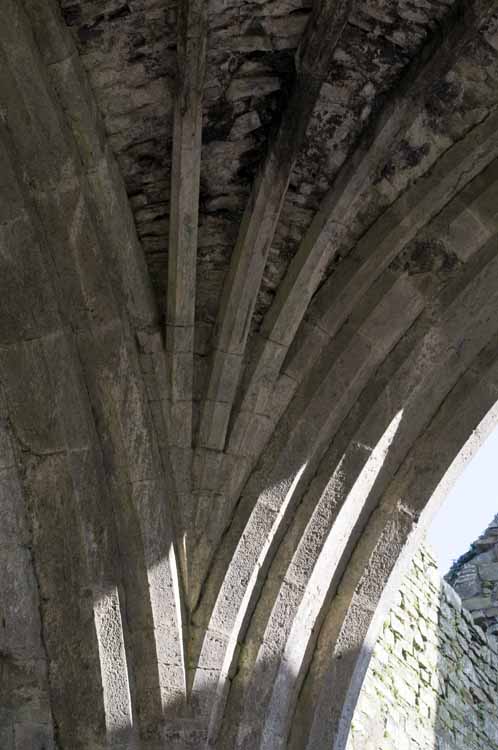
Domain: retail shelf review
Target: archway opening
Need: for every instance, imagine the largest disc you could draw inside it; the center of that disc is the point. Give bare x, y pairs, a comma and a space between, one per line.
432, 681
469, 508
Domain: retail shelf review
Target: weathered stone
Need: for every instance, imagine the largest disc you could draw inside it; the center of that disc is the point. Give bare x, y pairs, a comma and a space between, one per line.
474, 577
248, 319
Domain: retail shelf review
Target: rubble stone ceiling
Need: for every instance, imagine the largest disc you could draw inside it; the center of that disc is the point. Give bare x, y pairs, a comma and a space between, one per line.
248, 319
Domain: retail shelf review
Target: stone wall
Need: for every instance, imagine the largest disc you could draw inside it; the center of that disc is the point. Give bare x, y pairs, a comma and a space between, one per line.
474, 576
432, 679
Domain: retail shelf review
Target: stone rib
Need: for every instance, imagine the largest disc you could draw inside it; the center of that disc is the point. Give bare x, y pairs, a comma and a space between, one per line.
391, 535
283, 480
98, 323
408, 404
236, 468
418, 402
107, 198
184, 216
302, 619
259, 223
471, 204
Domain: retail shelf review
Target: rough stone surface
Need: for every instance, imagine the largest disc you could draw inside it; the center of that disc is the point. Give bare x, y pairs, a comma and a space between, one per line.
475, 577
248, 333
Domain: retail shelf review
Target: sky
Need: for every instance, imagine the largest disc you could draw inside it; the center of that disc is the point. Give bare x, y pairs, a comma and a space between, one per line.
469, 507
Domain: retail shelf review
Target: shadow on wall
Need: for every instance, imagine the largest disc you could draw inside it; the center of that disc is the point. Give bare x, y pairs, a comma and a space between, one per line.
432, 680
432, 683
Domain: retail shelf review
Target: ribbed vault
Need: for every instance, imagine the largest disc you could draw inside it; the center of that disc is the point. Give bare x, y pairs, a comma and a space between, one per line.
248, 329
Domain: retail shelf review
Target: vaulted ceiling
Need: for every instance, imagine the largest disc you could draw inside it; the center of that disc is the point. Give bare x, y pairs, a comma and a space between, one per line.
248, 321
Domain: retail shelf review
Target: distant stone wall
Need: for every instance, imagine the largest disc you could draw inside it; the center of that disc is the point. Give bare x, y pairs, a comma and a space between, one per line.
432, 681
475, 578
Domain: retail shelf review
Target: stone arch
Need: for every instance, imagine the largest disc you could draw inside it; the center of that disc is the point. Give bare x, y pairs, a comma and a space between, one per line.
361, 512
78, 368
212, 526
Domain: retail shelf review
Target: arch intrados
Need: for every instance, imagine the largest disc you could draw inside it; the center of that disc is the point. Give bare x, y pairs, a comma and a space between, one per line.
472, 393
464, 423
